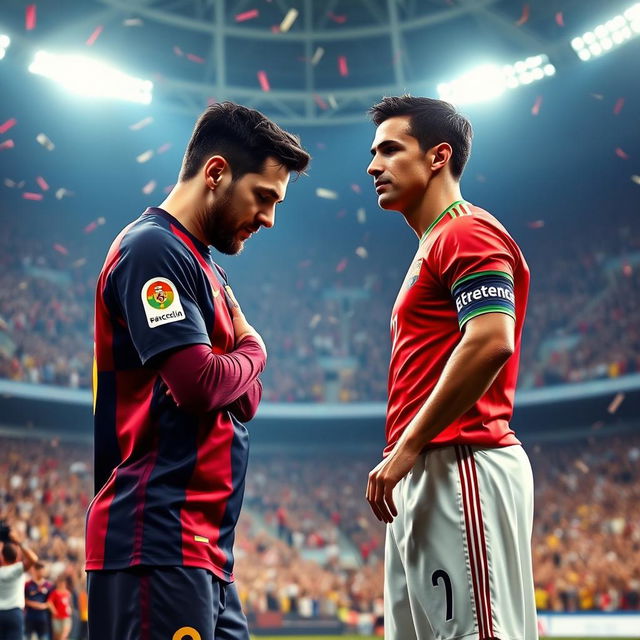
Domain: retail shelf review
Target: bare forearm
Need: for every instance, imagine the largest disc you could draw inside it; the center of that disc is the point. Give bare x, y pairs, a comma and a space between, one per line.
29, 557
469, 372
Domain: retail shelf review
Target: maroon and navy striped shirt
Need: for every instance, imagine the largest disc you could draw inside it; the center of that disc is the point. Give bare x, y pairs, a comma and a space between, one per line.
169, 483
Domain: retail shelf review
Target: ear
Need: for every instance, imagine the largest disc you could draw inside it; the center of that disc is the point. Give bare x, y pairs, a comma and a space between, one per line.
214, 168
441, 155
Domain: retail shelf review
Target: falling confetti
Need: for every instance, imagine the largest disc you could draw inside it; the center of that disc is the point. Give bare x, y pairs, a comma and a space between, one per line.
194, 58
342, 66
132, 22
92, 226
42, 183
79, 263
621, 153
581, 466
361, 252
536, 224
332, 101
535, 110
145, 157
7, 144
315, 320
342, 265
32, 196
149, 187
288, 21
45, 142
61, 193
317, 56
60, 248
338, 19
356, 188
524, 17
94, 36
597, 96
8, 182
320, 102
560, 19
327, 194
136, 126
264, 81
618, 106
30, 17
247, 15
4, 127
615, 403
361, 215
163, 148
177, 50
635, 178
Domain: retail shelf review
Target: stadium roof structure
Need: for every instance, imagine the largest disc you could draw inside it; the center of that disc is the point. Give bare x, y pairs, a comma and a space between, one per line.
311, 62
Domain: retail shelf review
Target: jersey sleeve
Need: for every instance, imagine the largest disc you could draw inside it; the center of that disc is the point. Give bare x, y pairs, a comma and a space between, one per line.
476, 264
156, 285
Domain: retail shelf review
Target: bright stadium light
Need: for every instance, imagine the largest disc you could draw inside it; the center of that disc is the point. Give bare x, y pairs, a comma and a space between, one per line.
90, 77
490, 81
609, 35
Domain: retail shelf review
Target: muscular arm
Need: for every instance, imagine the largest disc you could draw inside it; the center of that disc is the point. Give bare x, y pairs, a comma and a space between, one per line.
246, 406
201, 381
486, 345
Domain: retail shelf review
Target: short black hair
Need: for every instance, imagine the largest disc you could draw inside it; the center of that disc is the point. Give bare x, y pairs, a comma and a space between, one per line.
9, 552
431, 122
244, 137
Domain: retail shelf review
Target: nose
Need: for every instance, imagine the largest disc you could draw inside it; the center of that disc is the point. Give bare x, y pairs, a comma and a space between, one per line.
267, 218
373, 169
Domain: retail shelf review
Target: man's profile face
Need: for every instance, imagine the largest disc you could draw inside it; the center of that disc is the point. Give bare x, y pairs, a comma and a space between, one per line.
399, 165
246, 205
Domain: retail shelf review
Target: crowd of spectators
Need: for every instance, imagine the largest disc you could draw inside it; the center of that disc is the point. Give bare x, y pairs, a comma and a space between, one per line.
586, 542
325, 320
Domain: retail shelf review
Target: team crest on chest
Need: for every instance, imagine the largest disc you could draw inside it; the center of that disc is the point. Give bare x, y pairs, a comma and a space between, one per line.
413, 274
161, 302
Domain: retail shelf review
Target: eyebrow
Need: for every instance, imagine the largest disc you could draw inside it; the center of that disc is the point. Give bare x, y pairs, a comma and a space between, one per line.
384, 143
273, 193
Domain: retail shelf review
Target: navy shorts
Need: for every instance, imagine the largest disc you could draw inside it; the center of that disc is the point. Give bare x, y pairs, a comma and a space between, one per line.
163, 603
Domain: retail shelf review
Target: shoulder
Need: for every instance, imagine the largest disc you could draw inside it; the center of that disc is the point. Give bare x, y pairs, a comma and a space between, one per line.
147, 235
478, 229
11, 570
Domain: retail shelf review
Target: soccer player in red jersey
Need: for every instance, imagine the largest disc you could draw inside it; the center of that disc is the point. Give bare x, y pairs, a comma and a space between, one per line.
175, 376
454, 486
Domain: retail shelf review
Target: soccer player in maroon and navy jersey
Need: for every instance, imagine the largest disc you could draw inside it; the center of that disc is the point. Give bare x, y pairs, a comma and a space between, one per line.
454, 486
175, 376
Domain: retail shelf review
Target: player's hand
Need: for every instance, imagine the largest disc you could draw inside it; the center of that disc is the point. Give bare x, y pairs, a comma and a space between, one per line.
384, 477
241, 327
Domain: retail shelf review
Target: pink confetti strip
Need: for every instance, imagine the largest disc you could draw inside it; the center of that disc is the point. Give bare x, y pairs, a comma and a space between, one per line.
60, 248
560, 19
338, 19
92, 226
320, 102
247, 15
164, 148
535, 110
615, 403
618, 107
32, 196
177, 50
264, 81
621, 153
194, 58
5, 126
30, 17
94, 36
342, 265
525, 15
342, 66
149, 187
7, 144
42, 183
536, 224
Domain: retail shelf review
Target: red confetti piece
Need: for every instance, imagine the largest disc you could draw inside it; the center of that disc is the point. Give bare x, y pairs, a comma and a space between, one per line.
32, 196
264, 81
92, 226
536, 224
94, 36
622, 154
535, 110
342, 66
42, 183
7, 144
4, 127
342, 265
177, 50
149, 187
61, 249
247, 15
275, 28
524, 17
194, 58
339, 19
320, 102
615, 403
560, 19
618, 106
356, 188
163, 148
30, 17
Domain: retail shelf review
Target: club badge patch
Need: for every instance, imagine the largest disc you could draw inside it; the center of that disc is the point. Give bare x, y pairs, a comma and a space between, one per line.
161, 302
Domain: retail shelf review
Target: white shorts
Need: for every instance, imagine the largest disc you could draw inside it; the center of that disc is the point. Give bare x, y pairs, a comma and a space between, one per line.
458, 555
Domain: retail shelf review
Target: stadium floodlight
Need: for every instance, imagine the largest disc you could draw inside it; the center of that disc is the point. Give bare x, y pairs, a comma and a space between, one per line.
607, 36
5, 41
491, 81
90, 77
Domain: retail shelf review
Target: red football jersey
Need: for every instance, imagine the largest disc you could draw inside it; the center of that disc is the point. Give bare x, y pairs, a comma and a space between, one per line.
466, 265
61, 601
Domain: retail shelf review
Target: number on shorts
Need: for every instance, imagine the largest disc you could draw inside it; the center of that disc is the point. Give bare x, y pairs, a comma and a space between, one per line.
441, 573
